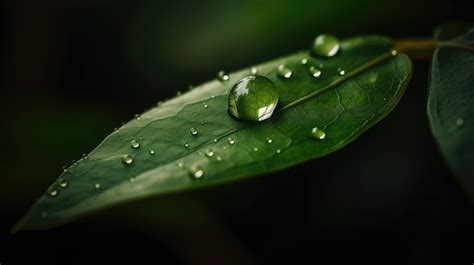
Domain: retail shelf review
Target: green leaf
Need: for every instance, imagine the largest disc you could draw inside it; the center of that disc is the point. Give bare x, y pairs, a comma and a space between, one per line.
451, 103
225, 148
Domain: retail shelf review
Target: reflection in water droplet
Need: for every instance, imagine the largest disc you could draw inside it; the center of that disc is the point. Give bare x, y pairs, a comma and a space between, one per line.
255, 149
318, 133
222, 76
315, 72
341, 71
253, 98
193, 131
283, 71
253, 70
459, 122
209, 153
135, 144
325, 45
304, 61
213, 96
44, 214
127, 159
97, 186
53, 192
231, 140
151, 151
63, 183
196, 172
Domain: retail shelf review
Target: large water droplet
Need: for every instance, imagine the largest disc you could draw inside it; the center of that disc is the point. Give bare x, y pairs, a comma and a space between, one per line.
53, 192
318, 133
283, 71
63, 183
325, 45
127, 159
253, 98
193, 131
222, 76
196, 172
135, 144
315, 72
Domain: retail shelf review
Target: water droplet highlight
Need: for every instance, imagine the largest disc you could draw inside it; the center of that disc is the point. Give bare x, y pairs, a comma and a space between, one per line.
255, 149
284, 72
196, 172
318, 133
325, 45
315, 72
231, 141
193, 131
53, 192
135, 144
205, 105
253, 98
127, 159
151, 151
341, 71
186, 145
63, 183
222, 76
269, 140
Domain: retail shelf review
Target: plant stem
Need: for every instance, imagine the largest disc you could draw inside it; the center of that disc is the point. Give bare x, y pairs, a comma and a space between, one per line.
417, 49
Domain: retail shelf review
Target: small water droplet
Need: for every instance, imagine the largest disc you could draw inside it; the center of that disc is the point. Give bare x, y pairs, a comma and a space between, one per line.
186, 145
218, 158
137, 117
97, 186
325, 45
318, 133
135, 144
53, 192
304, 61
180, 164
193, 131
459, 122
131, 179
222, 76
283, 71
278, 151
205, 105
127, 159
341, 71
63, 183
393, 52
255, 149
151, 151
315, 72
231, 141
209, 153
213, 96
253, 98
215, 140
269, 140
203, 122
253, 70
196, 172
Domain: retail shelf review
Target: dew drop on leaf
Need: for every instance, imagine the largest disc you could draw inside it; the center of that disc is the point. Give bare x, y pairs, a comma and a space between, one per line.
97, 186
193, 131
196, 172
318, 133
325, 45
253, 98
304, 61
315, 72
131, 179
209, 153
269, 140
218, 158
127, 159
135, 144
63, 183
341, 71
151, 151
53, 192
283, 71
222, 76
278, 151
231, 141
255, 149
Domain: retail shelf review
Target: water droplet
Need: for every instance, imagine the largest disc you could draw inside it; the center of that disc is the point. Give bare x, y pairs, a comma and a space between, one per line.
341, 71
186, 145
63, 183
278, 151
44, 214
205, 105
209, 153
127, 159
53, 192
131, 179
255, 149
231, 140
253, 70
151, 151
253, 98
215, 140
213, 96
64, 168
193, 131
222, 76
269, 140
459, 122
196, 172
97, 185
218, 158
135, 144
315, 72
304, 61
140, 138
180, 164
325, 45
393, 52
283, 71
318, 133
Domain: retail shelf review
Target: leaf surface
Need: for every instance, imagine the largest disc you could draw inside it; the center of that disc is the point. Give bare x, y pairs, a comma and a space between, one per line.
344, 106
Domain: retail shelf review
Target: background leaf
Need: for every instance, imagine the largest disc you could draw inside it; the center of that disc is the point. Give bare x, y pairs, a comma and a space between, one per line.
451, 102
344, 112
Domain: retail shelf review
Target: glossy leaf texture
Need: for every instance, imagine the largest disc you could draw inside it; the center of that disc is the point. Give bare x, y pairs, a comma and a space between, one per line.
196, 142
451, 102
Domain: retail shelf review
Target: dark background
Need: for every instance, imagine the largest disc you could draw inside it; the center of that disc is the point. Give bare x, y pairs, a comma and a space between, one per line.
73, 70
